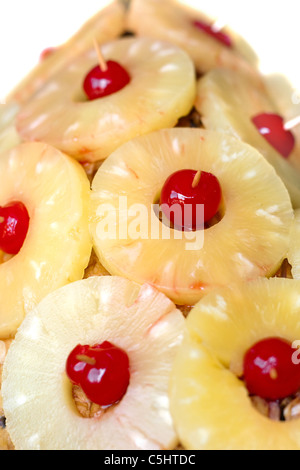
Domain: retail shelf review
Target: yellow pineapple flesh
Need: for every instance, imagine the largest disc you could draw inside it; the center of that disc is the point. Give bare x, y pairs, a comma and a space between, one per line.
172, 21
36, 391
8, 112
56, 192
227, 101
106, 25
250, 240
161, 90
210, 404
9, 136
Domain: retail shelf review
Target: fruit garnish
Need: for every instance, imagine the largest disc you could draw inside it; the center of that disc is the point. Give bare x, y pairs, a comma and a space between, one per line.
99, 82
139, 320
249, 241
210, 404
106, 78
190, 191
227, 101
47, 53
214, 32
105, 25
56, 192
14, 223
162, 90
271, 127
269, 371
102, 371
173, 22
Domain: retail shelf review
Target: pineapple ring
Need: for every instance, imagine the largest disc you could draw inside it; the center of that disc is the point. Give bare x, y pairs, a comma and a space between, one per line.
161, 90
172, 22
106, 25
140, 320
227, 101
251, 239
210, 406
57, 248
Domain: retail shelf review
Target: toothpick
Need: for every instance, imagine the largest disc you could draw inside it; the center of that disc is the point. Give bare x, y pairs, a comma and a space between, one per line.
86, 359
292, 123
196, 179
101, 60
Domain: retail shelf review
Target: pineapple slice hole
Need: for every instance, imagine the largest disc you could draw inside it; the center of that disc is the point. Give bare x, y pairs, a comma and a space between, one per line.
285, 409
78, 403
4, 257
86, 408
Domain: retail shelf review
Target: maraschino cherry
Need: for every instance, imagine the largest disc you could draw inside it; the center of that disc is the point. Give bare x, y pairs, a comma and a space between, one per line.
214, 32
105, 78
14, 223
272, 128
188, 191
102, 371
269, 371
47, 53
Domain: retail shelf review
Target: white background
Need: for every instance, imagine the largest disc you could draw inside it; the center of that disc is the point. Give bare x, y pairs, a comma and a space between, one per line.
28, 26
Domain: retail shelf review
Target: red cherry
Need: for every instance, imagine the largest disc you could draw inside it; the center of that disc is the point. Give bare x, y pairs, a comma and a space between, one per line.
77, 363
185, 197
271, 127
102, 371
99, 83
46, 53
14, 223
218, 35
269, 371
